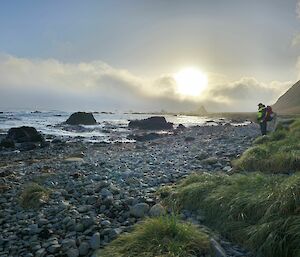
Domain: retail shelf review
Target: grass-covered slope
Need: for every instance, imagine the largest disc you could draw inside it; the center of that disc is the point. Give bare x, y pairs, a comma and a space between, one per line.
259, 208
260, 211
159, 237
289, 102
278, 152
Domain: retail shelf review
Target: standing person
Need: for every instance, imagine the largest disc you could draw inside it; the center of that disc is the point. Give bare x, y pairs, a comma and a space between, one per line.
270, 117
261, 118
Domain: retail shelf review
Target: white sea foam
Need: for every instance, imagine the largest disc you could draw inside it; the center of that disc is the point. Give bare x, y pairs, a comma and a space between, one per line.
110, 127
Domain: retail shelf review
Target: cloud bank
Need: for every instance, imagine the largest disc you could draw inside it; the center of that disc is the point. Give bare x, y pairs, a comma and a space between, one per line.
51, 84
246, 93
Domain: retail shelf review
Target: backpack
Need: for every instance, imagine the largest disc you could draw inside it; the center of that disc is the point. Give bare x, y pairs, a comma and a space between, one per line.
269, 113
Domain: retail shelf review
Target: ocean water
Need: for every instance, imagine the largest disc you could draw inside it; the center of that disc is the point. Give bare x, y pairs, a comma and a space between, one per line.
111, 126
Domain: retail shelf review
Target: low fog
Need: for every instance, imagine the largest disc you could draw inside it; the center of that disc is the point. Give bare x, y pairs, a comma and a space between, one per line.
48, 84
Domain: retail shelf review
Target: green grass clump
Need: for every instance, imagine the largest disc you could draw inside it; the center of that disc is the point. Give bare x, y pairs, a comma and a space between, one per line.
260, 211
278, 152
159, 237
33, 195
261, 140
295, 128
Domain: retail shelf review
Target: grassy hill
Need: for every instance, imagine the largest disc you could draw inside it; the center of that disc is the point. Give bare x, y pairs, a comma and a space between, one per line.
289, 102
258, 205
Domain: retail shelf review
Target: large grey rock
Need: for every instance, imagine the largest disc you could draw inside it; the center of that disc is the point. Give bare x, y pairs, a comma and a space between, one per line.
53, 248
87, 221
139, 210
68, 243
210, 160
41, 252
66, 220
73, 252
79, 227
42, 221
113, 233
81, 118
105, 192
84, 248
95, 241
152, 123
157, 210
24, 138
24, 134
83, 208
105, 223
33, 229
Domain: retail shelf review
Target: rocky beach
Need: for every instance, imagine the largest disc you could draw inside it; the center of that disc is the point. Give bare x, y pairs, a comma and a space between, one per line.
150, 128
96, 191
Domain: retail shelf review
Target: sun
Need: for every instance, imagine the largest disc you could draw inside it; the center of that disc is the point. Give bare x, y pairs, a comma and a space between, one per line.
190, 81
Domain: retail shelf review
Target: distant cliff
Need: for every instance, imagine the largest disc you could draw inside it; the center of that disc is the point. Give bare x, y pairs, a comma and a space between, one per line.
289, 102
201, 110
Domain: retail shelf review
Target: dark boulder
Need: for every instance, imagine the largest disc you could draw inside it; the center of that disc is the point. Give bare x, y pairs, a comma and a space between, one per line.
181, 127
45, 233
57, 141
152, 123
81, 118
27, 146
24, 139
189, 139
7, 143
24, 134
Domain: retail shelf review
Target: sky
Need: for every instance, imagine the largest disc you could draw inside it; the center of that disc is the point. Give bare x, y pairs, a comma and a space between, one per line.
126, 54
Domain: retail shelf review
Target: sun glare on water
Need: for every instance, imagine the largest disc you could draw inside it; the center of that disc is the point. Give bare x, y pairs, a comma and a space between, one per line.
190, 82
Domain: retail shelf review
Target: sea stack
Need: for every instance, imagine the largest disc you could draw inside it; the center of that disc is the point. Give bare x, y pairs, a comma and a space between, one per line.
152, 123
81, 118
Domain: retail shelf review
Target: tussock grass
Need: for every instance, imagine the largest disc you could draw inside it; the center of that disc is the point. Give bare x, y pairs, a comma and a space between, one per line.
33, 195
159, 237
295, 127
258, 210
278, 152
261, 140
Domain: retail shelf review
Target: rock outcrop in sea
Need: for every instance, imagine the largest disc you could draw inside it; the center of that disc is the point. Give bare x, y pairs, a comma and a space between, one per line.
24, 134
23, 138
81, 118
152, 123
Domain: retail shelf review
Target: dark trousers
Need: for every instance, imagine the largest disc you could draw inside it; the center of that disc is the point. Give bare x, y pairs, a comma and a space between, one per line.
263, 127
